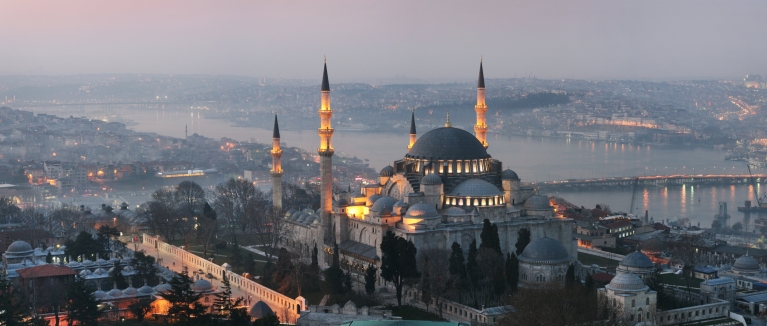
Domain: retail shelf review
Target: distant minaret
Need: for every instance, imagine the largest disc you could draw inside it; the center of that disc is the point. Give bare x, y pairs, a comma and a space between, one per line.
276, 169
480, 129
326, 159
186, 132
412, 130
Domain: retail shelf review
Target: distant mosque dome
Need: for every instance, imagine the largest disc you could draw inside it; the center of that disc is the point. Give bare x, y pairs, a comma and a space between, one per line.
746, 264
626, 282
19, 247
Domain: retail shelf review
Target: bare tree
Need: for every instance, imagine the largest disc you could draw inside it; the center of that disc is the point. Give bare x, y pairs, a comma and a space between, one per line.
161, 214
271, 230
240, 204
435, 277
67, 220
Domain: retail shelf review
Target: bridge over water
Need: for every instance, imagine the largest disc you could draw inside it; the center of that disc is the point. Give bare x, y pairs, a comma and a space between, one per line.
653, 181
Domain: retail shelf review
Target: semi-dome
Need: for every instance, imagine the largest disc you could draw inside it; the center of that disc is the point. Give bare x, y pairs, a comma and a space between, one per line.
537, 202
372, 199
201, 285
626, 282
422, 210
509, 175
455, 211
431, 179
544, 250
637, 259
653, 246
387, 171
260, 310
475, 188
384, 204
19, 247
448, 144
746, 263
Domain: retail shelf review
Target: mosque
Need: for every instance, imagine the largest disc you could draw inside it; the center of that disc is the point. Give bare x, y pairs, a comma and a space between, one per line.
438, 193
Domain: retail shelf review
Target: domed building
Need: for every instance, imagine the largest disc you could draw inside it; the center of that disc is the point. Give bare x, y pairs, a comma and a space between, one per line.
637, 263
746, 265
627, 293
438, 193
18, 252
544, 261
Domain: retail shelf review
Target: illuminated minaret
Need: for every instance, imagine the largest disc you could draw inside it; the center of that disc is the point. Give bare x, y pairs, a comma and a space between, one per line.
276, 169
326, 159
412, 131
480, 129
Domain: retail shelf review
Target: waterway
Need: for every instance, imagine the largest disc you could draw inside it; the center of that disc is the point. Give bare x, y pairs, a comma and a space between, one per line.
533, 158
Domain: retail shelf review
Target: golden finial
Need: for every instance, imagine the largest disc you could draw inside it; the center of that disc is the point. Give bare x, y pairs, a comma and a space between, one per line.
447, 123
325, 58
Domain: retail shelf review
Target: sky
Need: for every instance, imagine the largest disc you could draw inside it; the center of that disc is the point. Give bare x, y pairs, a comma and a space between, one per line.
427, 39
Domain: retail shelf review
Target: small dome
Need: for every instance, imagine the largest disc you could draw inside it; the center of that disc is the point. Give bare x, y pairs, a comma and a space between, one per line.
202, 285
99, 294
296, 215
226, 265
146, 289
130, 291
73, 264
475, 188
637, 259
653, 246
422, 210
431, 179
84, 273
342, 203
626, 282
545, 250
290, 212
746, 263
387, 171
509, 175
536, 202
19, 247
100, 271
115, 293
88, 263
400, 203
455, 211
316, 221
384, 205
165, 287
260, 310
102, 262
372, 199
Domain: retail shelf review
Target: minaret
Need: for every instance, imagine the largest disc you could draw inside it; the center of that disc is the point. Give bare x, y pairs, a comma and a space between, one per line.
480, 129
412, 131
276, 169
326, 160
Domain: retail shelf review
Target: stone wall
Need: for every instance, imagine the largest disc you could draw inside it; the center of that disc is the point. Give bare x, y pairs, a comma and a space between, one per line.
694, 313
282, 305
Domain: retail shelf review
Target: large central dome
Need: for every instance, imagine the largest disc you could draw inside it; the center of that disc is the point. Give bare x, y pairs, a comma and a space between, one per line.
448, 144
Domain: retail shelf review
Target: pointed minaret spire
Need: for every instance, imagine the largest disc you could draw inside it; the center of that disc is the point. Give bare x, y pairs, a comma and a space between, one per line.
480, 129
412, 130
276, 171
326, 164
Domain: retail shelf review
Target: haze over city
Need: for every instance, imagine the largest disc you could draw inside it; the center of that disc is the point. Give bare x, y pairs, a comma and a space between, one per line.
422, 40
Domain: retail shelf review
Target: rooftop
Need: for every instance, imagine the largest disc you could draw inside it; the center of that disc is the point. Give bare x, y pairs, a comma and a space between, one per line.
47, 270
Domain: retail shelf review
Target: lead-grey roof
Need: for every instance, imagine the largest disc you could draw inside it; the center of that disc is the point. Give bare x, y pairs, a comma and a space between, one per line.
447, 144
746, 263
431, 179
637, 259
422, 210
358, 248
508, 174
537, 202
626, 282
544, 250
475, 188
260, 309
384, 204
387, 171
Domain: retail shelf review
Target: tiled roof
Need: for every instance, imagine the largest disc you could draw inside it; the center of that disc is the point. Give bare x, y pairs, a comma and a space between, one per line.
47, 270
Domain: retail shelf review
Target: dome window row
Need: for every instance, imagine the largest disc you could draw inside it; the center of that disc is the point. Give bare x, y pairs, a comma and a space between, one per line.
449, 167
474, 201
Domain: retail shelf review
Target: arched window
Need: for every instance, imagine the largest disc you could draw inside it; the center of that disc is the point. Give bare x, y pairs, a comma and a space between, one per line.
647, 301
633, 303
615, 303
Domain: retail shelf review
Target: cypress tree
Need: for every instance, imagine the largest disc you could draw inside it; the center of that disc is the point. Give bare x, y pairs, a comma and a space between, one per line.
370, 279
489, 237
185, 306
523, 239
398, 262
315, 254
83, 306
512, 272
570, 277
13, 311
117, 276
223, 301
457, 266
472, 269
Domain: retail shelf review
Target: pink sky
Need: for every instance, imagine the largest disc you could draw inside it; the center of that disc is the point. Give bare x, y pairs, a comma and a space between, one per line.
433, 39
